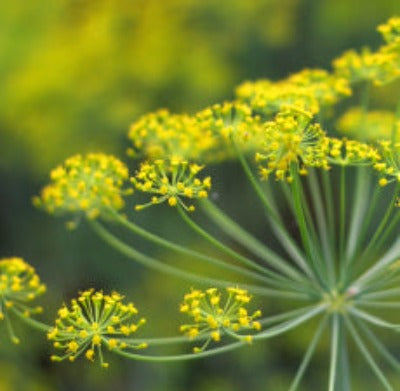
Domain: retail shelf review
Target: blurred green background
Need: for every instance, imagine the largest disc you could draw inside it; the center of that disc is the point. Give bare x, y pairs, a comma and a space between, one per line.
74, 74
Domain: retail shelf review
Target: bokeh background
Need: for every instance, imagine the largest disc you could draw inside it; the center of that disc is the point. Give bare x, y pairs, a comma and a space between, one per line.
73, 75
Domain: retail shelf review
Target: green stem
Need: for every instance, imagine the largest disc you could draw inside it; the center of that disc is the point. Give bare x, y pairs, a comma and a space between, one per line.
322, 225
366, 354
180, 357
308, 355
316, 265
360, 205
284, 327
372, 319
277, 278
248, 241
31, 322
342, 218
194, 254
174, 271
274, 331
382, 224
344, 363
334, 352
380, 347
277, 225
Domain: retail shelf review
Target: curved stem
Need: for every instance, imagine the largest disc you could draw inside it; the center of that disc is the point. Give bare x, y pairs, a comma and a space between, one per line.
183, 250
180, 357
380, 347
289, 325
277, 224
249, 242
367, 355
32, 322
372, 319
174, 271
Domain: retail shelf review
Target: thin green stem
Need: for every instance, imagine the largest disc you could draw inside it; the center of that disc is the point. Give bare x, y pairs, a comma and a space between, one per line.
174, 271
380, 347
248, 241
299, 204
342, 219
322, 225
372, 319
277, 278
180, 357
367, 356
382, 225
286, 326
343, 373
308, 355
31, 322
277, 225
334, 352
194, 254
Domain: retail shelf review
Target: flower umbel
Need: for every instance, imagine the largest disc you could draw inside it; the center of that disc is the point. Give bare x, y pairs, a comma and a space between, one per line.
171, 180
19, 286
291, 139
87, 185
92, 321
214, 315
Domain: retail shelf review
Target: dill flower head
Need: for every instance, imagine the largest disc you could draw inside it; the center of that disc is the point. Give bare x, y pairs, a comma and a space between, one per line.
291, 140
214, 315
391, 30
345, 152
87, 185
389, 166
231, 119
373, 125
377, 67
325, 87
268, 98
170, 181
161, 134
94, 321
19, 286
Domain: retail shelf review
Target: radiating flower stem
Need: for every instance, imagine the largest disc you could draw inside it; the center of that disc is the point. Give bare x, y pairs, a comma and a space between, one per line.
308, 355
334, 353
31, 322
177, 272
367, 355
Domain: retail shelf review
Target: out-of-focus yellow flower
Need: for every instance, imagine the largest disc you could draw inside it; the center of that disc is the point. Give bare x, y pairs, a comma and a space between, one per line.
87, 185
19, 286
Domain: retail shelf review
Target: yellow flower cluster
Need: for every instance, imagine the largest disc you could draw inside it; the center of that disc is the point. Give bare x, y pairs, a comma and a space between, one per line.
162, 134
308, 90
231, 119
171, 180
19, 285
389, 167
202, 136
85, 184
291, 141
215, 316
391, 30
346, 152
94, 320
379, 67
373, 125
